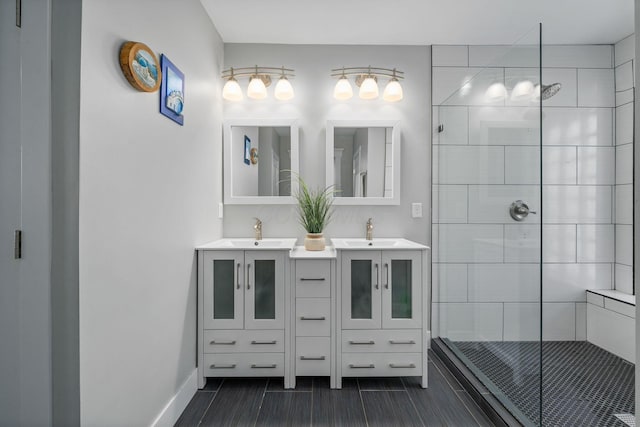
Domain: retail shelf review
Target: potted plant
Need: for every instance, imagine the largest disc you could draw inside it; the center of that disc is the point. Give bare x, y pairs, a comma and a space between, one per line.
314, 212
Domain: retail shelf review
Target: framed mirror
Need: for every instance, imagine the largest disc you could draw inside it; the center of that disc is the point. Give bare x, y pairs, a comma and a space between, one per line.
260, 157
363, 162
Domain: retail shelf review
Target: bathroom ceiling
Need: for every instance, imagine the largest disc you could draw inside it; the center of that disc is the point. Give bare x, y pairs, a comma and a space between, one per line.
417, 22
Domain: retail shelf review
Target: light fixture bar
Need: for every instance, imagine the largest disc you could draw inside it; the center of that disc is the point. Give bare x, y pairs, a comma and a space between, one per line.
251, 71
372, 71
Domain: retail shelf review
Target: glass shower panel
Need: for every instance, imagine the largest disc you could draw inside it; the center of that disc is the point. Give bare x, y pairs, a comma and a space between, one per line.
487, 237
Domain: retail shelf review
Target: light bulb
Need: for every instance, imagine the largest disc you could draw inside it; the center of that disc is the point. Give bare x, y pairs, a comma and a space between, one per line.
368, 88
283, 90
231, 90
523, 91
496, 92
256, 89
393, 91
343, 89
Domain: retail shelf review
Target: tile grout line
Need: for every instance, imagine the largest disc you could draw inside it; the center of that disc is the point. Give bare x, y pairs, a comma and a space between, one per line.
364, 411
264, 392
412, 402
211, 402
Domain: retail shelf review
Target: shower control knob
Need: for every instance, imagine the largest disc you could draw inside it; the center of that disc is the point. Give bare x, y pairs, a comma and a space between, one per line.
519, 210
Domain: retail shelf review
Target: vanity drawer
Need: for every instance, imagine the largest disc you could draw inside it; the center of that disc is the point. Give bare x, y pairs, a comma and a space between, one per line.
243, 341
313, 317
313, 278
386, 340
381, 364
312, 356
244, 365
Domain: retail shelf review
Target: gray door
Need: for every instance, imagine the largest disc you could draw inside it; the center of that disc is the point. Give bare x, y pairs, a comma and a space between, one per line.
10, 214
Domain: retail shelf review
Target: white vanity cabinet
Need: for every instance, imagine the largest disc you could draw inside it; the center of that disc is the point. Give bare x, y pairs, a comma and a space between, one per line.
384, 309
242, 312
313, 323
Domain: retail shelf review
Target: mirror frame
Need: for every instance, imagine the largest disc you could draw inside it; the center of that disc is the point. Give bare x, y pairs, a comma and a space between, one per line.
229, 198
395, 160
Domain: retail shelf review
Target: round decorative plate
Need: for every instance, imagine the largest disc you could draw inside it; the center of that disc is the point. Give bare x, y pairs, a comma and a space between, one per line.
140, 66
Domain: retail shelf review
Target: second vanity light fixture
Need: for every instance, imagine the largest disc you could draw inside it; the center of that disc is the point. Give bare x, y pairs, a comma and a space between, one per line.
259, 80
367, 81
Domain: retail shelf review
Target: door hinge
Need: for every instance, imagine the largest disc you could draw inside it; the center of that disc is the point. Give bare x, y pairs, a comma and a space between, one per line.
19, 13
17, 244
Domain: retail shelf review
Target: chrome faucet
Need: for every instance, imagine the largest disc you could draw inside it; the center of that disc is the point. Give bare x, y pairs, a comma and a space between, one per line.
258, 228
369, 229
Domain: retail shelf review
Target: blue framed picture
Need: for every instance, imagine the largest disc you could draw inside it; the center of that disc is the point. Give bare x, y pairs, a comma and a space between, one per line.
172, 91
247, 151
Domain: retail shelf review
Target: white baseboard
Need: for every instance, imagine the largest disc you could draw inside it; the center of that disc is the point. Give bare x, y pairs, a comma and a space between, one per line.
177, 404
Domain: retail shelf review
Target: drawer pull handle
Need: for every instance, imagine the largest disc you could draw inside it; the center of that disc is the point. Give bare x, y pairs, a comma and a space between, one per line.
232, 366
263, 342
410, 365
312, 357
312, 279
312, 318
263, 366
401, 342
362, 342
352, 366
223, 342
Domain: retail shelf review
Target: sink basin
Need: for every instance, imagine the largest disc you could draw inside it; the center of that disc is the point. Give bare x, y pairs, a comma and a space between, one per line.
381, 243
248, 243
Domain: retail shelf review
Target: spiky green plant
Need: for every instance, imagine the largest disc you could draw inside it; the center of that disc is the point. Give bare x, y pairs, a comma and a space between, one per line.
315, 207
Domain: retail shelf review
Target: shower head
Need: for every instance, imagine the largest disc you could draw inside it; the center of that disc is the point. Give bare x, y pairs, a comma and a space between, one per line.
547, 91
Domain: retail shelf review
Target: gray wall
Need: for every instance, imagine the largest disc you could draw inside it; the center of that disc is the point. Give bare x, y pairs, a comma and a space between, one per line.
313, 105
148, 195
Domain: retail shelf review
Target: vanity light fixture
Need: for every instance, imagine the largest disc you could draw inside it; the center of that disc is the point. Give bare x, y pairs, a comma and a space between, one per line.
259, 80
367, 81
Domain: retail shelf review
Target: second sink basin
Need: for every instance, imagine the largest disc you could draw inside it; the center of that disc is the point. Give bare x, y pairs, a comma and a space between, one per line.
248, 243
379, 243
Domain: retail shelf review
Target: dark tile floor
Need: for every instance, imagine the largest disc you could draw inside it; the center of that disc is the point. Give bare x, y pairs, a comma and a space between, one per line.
360, 402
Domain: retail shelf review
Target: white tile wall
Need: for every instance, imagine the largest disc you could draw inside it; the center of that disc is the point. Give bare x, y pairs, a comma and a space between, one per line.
581, 321
568, 282
462, 165
469, 243
577, 126
504, 56
448, 81
490, 203
624, 244
596, 165
624, 76
449, 203
624, 278
596, 88
522, 165
504, 282
560, 165
451, 282
578, 204
456, 130
471, 322
624, 97
578, 56
611, 331
625, 50
450, 56
522, 243
568, 96
624, 164
559, 243
596, 243
521, 321
491, 125
624, 124
624, 204
558, 321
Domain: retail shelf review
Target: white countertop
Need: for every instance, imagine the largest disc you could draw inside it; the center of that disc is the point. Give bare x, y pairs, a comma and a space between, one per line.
354, 243
247, 243
616, 295
299, 252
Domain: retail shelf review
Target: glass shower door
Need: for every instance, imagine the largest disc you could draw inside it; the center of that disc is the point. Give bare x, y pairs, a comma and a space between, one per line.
487, 237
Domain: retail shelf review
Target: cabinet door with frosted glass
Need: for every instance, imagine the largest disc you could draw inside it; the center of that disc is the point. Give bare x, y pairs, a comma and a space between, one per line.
264, 290
361, 290
223, 292
401, 277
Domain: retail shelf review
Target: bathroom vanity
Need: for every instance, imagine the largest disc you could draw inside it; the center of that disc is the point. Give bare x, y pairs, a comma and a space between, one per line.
268, 308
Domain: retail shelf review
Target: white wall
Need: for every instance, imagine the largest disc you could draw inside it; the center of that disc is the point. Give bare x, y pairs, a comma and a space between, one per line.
149, 190
624, 78
487, 157
313, 105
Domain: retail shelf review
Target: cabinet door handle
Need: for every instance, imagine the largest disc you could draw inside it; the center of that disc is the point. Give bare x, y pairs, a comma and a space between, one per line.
248, 275
263, 366
386, 267
312, 357
377, 275
238, 276
312, 318
312, 279
223, 342
402, 342
393, 365
371, 366
232, 366
362, 342
263, 342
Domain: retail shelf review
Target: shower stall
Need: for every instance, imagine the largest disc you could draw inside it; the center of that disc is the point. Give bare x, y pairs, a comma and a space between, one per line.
532, 225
